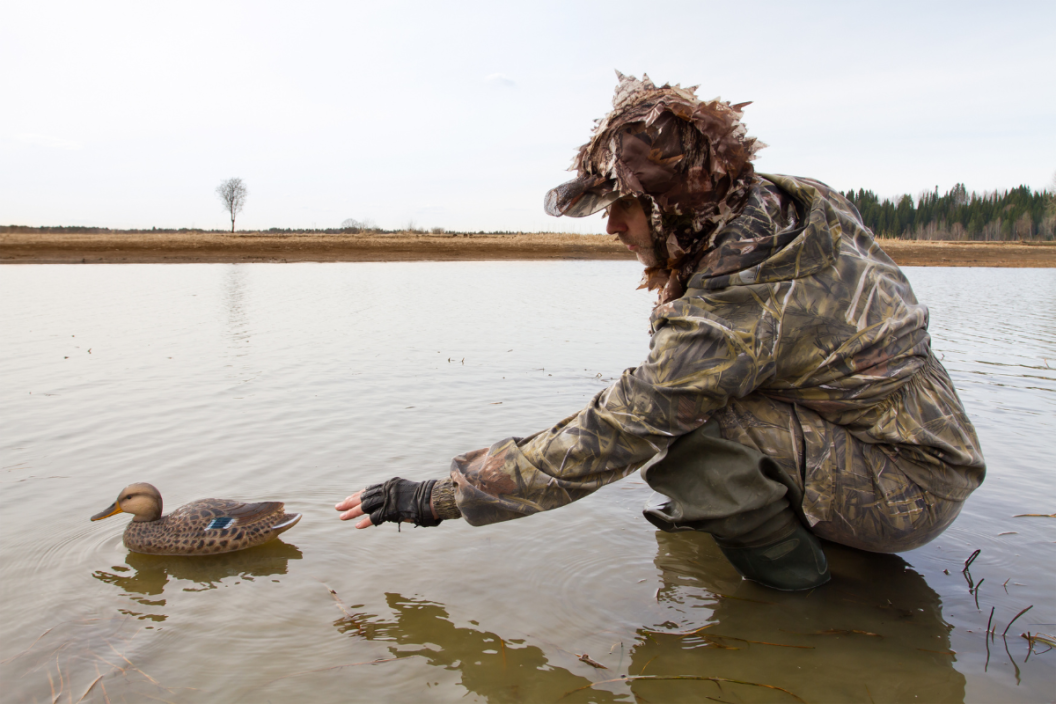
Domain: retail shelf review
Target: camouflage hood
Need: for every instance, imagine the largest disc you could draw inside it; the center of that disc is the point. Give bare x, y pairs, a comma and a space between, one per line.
688, 162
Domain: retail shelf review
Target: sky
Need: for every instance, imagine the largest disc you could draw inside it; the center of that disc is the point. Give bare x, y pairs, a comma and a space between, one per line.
462, 115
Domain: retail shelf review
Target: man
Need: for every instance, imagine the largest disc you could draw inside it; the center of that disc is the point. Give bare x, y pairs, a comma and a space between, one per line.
790, 391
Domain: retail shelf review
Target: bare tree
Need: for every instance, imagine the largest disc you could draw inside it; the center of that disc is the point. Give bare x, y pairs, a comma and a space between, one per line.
233, 194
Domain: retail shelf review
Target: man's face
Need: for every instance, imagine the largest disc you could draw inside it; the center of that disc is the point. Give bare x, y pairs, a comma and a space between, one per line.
628, 222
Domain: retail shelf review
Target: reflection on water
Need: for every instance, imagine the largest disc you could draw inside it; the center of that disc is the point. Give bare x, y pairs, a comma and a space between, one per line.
877, 630
498, 669
877, 633
301, 383
147, 575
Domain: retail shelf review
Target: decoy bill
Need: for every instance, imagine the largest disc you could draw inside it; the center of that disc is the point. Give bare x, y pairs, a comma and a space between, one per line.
203, 527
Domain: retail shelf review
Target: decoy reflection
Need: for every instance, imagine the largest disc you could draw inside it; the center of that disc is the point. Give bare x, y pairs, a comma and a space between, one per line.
144, 576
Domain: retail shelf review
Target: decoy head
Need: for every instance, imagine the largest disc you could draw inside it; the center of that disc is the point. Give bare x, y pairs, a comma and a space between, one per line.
142, 500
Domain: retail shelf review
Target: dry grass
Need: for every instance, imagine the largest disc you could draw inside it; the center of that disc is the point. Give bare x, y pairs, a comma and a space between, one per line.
192, 247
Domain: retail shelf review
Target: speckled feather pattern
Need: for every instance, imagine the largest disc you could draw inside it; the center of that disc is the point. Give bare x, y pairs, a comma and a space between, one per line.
183, 532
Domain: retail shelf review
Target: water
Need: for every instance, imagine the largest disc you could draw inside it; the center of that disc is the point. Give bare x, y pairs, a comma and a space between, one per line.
304, 382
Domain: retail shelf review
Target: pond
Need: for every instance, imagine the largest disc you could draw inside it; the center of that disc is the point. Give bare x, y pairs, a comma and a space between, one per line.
305, 382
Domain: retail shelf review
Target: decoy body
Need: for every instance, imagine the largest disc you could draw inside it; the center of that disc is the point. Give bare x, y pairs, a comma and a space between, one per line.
203, 527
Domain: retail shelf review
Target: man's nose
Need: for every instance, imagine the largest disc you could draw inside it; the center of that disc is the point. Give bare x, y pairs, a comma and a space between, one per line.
615, 224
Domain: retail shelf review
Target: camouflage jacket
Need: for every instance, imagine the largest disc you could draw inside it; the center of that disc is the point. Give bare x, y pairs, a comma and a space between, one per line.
794, 300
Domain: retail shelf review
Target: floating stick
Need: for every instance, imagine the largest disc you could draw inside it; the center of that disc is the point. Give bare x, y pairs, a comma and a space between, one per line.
592, 662
337, 600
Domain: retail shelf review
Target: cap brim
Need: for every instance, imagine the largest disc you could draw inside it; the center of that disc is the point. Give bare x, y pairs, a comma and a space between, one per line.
581, 197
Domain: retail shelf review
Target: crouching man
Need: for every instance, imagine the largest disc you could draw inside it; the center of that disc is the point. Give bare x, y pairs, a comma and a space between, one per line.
790, 392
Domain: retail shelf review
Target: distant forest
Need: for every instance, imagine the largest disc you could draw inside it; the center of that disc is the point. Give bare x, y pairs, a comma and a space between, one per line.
1018, 214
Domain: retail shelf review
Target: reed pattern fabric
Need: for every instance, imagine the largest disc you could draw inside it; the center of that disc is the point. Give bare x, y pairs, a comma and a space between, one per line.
687, 160
793, 302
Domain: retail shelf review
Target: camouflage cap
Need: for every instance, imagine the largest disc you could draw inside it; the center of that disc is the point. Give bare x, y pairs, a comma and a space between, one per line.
689, 159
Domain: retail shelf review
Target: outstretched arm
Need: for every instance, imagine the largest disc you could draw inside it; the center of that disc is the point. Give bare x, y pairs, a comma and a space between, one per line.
399, 500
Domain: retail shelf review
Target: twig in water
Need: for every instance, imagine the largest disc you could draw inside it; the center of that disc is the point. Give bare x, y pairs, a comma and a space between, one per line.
1035, 515
762, 642
986, 666
702, 678
989, 621
90, 687
592, 662
102, 686
1011, 659
966, 571
337, 600
1014, 619
154, 681
976, 591
1005, 585
34, 669
1033, 640
647, 664
27, 649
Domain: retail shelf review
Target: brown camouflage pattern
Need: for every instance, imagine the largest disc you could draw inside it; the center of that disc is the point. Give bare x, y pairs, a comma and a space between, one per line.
687, 160
183, 532
803, 339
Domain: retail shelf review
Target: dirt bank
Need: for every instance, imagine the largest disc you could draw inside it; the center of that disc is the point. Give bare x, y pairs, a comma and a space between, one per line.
36, 247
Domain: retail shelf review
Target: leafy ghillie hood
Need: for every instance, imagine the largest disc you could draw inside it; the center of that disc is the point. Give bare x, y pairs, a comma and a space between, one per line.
687, 161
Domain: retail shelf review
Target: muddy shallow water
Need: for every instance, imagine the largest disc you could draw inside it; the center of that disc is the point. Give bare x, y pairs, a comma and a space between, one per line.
304, 382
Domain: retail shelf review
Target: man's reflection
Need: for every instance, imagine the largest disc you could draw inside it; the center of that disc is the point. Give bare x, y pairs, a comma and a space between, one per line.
496, 669
145, 576
875, 633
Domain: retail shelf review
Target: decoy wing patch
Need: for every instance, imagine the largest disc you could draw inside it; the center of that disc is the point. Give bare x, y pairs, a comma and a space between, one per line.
247, 513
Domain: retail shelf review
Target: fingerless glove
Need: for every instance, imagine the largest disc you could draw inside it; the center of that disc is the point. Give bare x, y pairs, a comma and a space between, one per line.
399, 500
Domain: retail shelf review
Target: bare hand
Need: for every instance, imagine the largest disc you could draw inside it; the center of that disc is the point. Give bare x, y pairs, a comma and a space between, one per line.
352, 509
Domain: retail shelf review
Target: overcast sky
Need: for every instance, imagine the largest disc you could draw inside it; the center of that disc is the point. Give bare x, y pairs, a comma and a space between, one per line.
462, 115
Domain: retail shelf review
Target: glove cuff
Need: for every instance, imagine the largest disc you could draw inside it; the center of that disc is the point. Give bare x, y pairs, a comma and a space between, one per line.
443, 500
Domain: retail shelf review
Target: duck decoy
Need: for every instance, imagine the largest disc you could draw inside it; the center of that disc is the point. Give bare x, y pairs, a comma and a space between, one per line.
203, 527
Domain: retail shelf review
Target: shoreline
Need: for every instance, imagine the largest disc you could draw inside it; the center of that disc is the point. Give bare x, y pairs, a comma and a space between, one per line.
246, 247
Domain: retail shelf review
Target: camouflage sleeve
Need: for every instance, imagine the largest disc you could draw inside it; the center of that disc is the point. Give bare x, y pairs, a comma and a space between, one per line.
696, 361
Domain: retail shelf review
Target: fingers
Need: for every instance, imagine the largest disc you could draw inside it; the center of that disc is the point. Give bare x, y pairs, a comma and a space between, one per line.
350, 502
352, 508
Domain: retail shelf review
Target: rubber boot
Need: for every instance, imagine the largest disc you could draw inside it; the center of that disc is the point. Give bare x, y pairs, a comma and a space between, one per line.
790, 564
